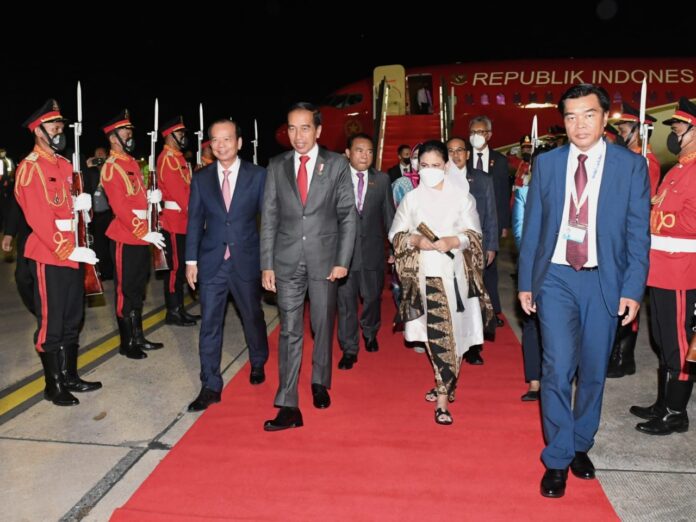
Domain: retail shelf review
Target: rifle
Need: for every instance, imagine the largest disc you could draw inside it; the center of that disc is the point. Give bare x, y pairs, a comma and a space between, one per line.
93, 285
159, 258
199, 134
255, 141
645, 126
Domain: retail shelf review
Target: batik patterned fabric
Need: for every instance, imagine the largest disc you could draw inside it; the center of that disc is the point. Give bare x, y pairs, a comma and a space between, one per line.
473, 268
440, 345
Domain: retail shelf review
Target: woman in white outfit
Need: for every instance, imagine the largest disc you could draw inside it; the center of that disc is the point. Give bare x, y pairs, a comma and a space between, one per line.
436, 307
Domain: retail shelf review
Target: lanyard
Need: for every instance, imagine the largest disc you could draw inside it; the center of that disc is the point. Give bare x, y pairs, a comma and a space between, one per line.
585, 193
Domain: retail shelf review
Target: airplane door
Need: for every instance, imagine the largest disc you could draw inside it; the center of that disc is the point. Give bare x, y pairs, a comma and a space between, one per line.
395, 75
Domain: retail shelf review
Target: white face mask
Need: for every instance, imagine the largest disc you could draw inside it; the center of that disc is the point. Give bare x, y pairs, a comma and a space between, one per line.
477, 141
431, 176
414, 164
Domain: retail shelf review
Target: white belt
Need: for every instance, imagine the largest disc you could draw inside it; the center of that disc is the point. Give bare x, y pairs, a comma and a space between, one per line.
172, 205
672, 244
140, 214
64, 225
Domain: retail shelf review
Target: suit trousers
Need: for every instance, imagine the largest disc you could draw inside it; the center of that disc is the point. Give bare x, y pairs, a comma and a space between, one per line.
490, 281
368, 285
577, 332
59, 293
213, 298
531, 347
322, 307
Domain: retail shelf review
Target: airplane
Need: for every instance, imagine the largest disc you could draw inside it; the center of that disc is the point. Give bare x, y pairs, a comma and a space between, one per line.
510, 93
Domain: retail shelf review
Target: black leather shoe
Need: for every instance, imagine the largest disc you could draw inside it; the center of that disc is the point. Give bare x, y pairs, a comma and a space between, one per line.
582, 466
176, 317
347, 361
371, 344
287, 418
190, 317
553, 483
205, 398
321, 396
671, 422
257, 376
473, 356
498, 321
531, 395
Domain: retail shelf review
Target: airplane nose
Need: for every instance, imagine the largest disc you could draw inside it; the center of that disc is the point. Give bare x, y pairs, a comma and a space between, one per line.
281, 136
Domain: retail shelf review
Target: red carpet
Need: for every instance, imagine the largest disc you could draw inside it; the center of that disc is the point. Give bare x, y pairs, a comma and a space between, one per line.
375, 454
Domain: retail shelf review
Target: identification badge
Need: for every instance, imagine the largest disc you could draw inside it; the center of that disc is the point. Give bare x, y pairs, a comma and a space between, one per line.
574, 233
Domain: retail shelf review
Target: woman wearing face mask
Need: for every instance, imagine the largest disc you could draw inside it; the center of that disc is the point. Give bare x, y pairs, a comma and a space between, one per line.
672, 280
433, 274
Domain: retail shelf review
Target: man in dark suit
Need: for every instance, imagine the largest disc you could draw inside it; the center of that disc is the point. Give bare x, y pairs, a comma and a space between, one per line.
481, 187
495, 165
222, 255
583, 262
375, 208
307, 235
404, 154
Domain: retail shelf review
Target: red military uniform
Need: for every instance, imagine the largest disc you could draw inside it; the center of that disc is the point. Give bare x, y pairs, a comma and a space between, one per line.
672, 279
125, 189
653, 169
174, 177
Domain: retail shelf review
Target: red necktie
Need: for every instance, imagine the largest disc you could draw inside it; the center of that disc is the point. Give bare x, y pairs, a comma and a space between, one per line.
576, 253
302, 179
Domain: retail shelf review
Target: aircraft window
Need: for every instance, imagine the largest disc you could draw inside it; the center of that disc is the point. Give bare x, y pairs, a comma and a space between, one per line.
353, 99
636, 96
340, 101
469, 99
484, 99
532, 97
517, 98
500, 99
670, 96
617, 97
652, 96
548, 98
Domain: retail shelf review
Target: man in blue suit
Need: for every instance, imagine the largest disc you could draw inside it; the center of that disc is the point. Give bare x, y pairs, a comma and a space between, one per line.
583, 262
222, 255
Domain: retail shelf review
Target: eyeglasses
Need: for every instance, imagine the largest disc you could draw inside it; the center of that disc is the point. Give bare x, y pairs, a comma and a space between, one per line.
479, 132
457, 150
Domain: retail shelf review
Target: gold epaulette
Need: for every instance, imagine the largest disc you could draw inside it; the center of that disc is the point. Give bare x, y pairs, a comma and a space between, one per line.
32, 156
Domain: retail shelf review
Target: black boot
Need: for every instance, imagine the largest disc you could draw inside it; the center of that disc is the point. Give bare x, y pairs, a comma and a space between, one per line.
175, 312
675, 419
55, 390
622, 361
136, 318
69, 370
658, 409
128, 346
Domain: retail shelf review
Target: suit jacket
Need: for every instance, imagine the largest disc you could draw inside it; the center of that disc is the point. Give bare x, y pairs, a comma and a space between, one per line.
211, 227
394, 172
481, 187
498, 171
322, 233
623, 214
374, 223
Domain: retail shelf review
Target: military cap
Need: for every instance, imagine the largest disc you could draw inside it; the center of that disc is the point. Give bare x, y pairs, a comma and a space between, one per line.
172, 125
120, 121
631, 115
685, 113
49, 111
610, 129
525, 141
205, 144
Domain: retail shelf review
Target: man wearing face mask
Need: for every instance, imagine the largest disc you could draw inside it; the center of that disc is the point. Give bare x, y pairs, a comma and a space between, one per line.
628, 126
672, 279
42, 189
404, 165
174, 180
495, 165
125, 188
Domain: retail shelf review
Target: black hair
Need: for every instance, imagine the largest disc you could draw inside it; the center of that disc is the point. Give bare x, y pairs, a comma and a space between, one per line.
307, 106
585, 89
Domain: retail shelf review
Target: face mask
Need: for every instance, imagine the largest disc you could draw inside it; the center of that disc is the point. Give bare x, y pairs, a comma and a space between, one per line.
477, 141
57, 142
431, 176
674, 143
128, 145
406, 161
414, 164
183, 143
526, 156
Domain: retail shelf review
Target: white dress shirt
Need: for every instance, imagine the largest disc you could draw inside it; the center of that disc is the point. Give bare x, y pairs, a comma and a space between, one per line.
594, 164
354, 177
313, 154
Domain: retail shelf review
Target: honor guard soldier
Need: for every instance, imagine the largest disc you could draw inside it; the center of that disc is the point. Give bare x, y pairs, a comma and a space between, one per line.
672, 279
123, 182
622, 359
206, 155
42, 189
175, 183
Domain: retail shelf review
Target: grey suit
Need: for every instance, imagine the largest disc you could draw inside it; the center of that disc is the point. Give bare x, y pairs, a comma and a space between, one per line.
302, 245
366, 274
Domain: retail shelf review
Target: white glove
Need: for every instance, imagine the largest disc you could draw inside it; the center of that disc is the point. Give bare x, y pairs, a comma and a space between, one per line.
82, 202
84, 255
154, 196
155, 238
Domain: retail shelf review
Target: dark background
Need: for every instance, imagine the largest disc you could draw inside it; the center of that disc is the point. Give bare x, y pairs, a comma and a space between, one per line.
253, 61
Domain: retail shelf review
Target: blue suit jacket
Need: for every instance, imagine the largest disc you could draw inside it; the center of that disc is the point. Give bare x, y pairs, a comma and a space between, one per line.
211, 228
623, 215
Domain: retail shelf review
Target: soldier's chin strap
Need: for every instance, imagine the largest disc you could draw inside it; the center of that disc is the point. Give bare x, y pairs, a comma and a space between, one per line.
57, 142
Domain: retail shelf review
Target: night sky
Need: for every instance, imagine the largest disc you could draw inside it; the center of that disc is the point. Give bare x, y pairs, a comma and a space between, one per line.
211, 53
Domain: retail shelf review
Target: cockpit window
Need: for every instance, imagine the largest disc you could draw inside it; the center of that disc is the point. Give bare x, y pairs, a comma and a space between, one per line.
340, 101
